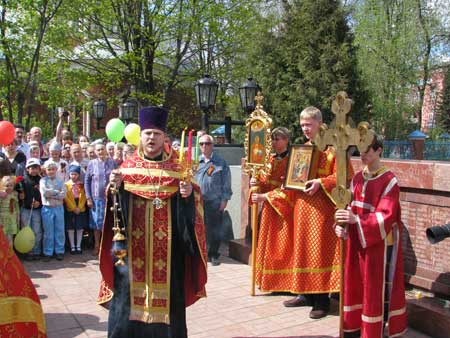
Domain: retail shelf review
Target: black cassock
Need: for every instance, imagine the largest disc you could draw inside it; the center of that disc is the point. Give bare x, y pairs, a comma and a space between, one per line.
183, 242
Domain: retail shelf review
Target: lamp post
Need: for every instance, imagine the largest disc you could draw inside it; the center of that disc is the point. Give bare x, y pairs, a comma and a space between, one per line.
128, 111
247, 93
99, 109
206, 93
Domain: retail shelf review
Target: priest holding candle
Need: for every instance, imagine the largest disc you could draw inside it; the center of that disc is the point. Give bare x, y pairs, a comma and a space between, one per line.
214, 177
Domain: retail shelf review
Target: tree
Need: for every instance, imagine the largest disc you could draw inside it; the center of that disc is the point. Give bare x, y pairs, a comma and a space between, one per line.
397, 42
23, 26
444, 107
305, 60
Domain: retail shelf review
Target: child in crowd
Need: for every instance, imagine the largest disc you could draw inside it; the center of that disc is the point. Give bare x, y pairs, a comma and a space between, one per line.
9, 208
75, 215
53, 192
55, 156
31, 204
374, 293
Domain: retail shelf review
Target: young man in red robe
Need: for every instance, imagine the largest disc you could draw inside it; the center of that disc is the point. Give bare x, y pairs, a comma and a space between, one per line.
165, 268
20, 309
374, 293
313, 268
275, 243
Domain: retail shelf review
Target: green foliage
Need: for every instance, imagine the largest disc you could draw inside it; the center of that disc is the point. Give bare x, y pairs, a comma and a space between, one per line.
305, 60
444, 107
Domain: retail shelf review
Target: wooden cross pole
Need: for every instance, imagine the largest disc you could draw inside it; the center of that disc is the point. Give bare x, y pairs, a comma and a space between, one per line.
341, 138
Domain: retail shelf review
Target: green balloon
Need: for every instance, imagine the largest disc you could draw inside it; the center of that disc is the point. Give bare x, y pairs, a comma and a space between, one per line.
115, 130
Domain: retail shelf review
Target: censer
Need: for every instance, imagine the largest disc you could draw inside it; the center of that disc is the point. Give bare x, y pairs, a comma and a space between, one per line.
119, 240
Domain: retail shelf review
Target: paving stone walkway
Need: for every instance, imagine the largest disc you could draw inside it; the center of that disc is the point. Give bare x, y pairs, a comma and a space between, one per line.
68, 290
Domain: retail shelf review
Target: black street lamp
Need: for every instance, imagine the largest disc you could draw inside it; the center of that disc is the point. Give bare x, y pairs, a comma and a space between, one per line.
206, 93
247, 93
128, 111
99, 109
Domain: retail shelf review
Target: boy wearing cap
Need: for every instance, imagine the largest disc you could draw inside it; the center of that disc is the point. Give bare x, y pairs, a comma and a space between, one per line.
53, 192
75, 209
31, 204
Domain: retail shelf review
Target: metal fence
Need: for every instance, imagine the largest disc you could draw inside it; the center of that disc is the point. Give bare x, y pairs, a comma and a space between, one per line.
433, 150
437, 150
398, 149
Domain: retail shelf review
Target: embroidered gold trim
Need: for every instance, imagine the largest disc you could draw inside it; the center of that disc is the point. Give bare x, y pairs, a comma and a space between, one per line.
146, 188
150, 171
300, 270
21, 310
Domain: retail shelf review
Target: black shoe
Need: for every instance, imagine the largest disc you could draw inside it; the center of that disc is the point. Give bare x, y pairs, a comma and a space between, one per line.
47, 258
72, 251
79, 252
215, 261
318, 312
298, 301
60, 257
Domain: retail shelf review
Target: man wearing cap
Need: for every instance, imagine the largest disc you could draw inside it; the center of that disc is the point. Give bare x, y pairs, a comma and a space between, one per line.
165, 267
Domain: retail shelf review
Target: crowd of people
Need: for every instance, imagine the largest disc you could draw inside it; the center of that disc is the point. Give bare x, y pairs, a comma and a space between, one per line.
57, 188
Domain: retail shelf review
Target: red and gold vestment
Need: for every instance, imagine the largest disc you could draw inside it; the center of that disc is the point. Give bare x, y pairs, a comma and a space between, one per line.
151, 231
20, 309
275, 243
314, 262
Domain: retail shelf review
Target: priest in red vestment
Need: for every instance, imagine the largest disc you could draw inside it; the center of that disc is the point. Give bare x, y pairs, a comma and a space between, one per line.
313, 269
275, 243
374, 292
20, 308
165, 268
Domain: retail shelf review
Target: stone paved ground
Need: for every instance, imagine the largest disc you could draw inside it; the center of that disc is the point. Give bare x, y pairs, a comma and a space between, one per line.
68, 290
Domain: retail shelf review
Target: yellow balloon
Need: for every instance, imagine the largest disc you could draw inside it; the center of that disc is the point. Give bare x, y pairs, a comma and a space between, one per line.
24, 240
133, 133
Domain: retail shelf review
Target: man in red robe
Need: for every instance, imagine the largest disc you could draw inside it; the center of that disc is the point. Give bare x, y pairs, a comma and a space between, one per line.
374, 291
275, 243
165, 268
20, 309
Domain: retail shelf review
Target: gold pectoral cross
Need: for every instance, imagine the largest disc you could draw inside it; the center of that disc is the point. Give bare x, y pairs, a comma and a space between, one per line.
342, 137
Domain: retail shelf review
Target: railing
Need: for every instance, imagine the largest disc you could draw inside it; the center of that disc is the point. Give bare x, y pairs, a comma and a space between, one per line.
432, 150
437, 150
398, 149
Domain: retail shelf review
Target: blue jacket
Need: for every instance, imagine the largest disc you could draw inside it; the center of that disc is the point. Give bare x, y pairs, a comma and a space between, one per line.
214, 179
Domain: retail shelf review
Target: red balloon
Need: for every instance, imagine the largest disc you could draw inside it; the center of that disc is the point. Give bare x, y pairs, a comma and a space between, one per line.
7, 132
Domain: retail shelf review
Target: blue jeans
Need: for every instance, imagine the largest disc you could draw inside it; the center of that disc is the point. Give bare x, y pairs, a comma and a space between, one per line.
35, 224
54, 234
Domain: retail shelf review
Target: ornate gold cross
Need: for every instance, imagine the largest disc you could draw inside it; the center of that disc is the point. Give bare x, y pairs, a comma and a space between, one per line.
342, 137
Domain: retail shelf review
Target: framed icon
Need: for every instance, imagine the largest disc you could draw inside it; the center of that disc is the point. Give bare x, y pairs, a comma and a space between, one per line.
302, 166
